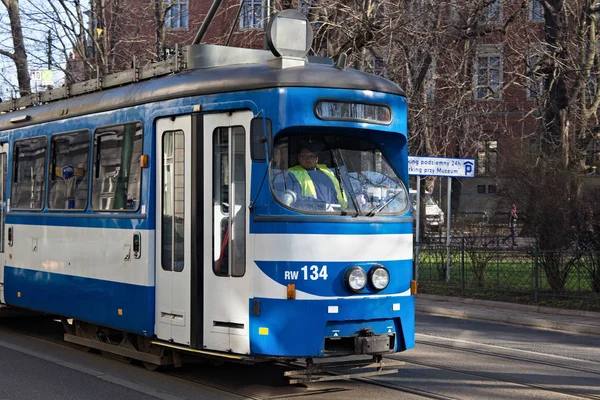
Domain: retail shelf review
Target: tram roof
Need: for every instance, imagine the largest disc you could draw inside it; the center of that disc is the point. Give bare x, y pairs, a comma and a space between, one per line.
204, 81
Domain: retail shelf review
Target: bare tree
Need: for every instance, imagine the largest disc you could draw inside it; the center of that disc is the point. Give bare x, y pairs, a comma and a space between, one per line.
549, 177
429, 48
18, 55
100, 36
161, 32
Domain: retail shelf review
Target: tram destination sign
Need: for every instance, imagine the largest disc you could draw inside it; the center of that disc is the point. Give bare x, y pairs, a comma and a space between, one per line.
441, 166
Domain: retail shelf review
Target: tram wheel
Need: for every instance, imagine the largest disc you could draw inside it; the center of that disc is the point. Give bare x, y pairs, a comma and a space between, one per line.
143, 345
151, 366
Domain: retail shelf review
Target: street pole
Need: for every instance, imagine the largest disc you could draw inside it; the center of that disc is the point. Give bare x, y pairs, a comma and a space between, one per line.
49, 50
207, 20
448, 236
266, 23
418, 227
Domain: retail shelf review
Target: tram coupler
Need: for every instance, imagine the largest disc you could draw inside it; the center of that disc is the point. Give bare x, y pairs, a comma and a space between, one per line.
368, 342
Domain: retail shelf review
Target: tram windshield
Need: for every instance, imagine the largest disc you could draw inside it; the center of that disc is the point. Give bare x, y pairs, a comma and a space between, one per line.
334, 174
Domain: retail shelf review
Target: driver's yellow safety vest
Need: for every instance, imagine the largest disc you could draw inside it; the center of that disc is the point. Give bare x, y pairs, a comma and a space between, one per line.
308, 187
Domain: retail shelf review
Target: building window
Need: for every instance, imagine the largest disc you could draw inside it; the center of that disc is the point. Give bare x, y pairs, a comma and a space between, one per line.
304, 6
488, 73
492, 189
380, 10
117, 173
535, 145
69, 167
252, 14
429, 83
379, 66
480, 189
592, 157
456, 12
176, 15
487, 158
29, 174
492, 13
536, 10
591, 87
375, 64
535, 82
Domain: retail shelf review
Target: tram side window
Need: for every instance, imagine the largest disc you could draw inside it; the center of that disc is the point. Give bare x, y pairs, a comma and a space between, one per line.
29, 174
221, 200
117, 174
68, 175
229, 201
173, 201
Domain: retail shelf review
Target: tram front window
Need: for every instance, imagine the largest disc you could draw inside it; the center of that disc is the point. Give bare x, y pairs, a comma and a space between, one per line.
333, 174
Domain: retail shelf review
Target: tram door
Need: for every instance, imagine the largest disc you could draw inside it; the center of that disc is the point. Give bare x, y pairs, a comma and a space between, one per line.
226, 198
3, 209
173, 229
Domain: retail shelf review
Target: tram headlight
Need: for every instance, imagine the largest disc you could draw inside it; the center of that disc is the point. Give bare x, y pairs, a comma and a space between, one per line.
356, 278
379, 277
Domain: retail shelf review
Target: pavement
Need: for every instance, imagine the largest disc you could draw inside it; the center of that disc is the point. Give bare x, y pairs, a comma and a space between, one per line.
558, 319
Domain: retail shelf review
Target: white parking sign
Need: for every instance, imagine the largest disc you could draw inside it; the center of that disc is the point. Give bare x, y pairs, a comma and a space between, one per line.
441, 166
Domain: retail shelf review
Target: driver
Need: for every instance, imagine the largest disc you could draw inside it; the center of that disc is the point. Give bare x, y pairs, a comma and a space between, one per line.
313, 180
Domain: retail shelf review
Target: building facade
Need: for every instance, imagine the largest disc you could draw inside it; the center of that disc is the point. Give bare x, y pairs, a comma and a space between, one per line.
504, 88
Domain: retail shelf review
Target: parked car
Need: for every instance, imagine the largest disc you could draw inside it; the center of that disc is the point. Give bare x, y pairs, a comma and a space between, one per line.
479, 218
433, 213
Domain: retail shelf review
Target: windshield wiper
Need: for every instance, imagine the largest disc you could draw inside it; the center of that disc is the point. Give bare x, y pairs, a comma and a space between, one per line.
378, 209
338, 174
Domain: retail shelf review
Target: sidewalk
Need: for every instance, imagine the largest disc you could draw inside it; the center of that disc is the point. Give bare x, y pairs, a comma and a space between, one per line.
517, 314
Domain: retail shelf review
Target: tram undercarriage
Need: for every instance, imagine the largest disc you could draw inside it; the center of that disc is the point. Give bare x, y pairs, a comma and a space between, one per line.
155, 354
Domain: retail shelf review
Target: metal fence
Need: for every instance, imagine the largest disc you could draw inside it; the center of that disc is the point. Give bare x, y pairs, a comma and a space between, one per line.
490, 267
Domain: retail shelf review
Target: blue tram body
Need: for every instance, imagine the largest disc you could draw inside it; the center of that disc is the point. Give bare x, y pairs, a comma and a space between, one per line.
166, 209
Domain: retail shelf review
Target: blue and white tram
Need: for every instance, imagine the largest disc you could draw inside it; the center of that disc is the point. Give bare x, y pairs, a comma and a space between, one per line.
161, 216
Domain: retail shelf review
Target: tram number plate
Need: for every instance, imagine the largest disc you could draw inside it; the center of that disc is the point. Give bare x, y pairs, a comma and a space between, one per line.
313, 272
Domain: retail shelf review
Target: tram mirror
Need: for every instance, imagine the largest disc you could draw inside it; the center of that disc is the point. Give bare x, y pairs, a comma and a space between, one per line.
261, 139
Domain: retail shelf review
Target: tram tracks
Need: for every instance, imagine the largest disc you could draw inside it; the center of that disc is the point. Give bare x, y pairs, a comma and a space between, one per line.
372, 381
242, 381
519, 382
406, 389
50, 336
502, 353
238, 380
515, 358
256, 388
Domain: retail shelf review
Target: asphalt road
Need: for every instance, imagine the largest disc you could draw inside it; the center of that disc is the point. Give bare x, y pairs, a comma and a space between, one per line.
454, 358
552, 343
33, 368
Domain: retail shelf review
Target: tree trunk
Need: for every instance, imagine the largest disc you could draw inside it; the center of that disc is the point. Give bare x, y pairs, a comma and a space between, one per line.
18, 56
159, 14
556, 114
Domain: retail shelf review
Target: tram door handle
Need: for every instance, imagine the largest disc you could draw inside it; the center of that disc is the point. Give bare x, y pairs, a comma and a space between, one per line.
137, 245
10, 236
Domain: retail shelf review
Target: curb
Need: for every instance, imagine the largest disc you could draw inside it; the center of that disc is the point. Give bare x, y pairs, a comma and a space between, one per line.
512, 306
509, 318
571, 327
